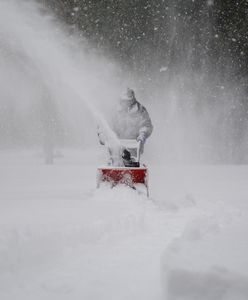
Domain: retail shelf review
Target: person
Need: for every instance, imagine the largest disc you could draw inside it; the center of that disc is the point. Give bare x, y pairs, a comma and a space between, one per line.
130, 121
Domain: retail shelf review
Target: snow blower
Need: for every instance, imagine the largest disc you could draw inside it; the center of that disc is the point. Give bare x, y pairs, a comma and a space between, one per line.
124, 168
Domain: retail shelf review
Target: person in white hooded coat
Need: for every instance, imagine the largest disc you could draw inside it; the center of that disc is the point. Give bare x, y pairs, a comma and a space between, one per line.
130, 121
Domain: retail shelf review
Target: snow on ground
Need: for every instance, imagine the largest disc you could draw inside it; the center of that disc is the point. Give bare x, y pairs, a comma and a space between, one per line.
208, 262
60, 238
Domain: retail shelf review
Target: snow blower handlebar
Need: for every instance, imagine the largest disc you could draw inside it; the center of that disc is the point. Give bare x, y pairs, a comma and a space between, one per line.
132, 145
125, 153
138, 151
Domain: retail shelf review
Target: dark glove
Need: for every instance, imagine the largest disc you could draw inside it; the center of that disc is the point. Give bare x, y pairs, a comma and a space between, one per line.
126, 155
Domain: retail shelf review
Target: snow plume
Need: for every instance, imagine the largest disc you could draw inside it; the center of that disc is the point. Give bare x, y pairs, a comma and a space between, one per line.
51, 81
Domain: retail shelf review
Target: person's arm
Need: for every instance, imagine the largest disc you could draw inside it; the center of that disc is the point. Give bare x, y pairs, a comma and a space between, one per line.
146, 127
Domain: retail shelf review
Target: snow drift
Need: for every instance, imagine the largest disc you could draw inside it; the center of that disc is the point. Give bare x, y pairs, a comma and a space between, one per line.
208, 262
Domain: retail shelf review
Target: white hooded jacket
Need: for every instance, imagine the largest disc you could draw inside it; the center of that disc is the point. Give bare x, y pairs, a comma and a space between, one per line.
129, 123
132, 122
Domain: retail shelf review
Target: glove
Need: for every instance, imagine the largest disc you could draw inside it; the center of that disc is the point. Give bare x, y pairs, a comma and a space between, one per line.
141, 138
126, 155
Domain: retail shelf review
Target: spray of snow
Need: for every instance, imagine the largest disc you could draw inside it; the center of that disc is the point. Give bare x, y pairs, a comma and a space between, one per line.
44, 70
48, 75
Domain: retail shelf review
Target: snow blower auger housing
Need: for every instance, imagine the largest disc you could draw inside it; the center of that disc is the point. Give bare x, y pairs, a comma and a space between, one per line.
128, 171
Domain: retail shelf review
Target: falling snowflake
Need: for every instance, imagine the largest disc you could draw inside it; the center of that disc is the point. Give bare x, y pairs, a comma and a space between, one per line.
210, 2
163, 69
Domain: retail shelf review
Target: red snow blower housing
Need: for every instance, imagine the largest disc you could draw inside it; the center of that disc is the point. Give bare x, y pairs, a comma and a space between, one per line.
126, 169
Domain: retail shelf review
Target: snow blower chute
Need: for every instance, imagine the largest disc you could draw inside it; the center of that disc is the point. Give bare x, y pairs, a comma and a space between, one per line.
126, 168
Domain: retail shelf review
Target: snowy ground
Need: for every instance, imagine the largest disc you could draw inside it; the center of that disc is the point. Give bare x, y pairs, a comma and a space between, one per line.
60, 238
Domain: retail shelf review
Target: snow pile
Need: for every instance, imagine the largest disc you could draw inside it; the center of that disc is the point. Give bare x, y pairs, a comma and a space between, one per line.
56, 230
209, 262
60, 238
32, 232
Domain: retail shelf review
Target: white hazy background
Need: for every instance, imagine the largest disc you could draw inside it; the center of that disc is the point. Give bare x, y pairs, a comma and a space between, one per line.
47, 71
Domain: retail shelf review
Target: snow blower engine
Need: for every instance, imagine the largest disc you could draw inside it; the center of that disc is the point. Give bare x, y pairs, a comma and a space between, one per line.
125, 168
